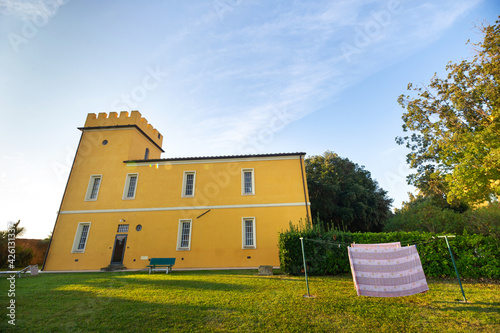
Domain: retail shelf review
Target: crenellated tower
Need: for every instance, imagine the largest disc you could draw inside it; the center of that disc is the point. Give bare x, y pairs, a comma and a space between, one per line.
107, 141
112, 120
131, 135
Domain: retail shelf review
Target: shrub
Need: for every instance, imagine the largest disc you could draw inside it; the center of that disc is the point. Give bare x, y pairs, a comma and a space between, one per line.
476, 256
484, 220
23, 256
425, 215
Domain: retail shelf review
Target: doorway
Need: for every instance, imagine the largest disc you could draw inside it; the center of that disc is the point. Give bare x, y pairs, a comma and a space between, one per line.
119, 249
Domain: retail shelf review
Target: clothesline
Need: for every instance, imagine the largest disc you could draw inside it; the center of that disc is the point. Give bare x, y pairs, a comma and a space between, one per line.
339, 244
413, 248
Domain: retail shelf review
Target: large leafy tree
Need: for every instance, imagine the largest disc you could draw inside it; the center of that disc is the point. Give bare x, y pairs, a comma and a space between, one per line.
453, 127
343, 194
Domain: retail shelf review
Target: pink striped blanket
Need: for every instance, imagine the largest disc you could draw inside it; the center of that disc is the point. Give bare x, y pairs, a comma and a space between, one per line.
387, 270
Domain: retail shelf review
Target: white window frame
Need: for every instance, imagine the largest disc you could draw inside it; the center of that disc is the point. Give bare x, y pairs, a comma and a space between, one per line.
127, 186
244, 233
243, 171
184, 184
90, 187
179, 235
78, 237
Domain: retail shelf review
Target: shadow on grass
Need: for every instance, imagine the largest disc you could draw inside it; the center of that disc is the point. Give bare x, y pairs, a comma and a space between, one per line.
121, 302
185, 284
85, 311
281, 277
471, 306
119, 280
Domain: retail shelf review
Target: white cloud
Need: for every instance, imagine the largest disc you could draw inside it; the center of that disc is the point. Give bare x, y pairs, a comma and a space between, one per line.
293, 60
28, 9
291, 57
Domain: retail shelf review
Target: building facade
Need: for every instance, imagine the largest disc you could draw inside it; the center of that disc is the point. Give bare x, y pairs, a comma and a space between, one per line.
124, 204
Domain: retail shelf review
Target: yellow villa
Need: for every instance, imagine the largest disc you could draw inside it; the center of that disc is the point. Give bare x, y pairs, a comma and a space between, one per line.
124, 204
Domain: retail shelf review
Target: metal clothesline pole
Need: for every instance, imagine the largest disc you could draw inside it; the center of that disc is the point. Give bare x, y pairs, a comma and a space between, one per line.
454, 265
305, 266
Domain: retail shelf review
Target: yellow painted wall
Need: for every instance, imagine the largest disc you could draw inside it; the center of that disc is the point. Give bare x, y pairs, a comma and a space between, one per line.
216, 237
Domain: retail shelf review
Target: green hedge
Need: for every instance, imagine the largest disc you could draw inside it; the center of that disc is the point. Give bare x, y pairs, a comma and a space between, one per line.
23, 257
476, 256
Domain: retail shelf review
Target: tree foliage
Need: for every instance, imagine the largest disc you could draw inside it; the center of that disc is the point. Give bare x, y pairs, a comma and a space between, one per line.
434, 214
343, 194
426, 214
22, 255
453, 127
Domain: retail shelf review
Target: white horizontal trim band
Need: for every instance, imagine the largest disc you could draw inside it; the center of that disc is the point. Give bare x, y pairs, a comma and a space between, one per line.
158, 209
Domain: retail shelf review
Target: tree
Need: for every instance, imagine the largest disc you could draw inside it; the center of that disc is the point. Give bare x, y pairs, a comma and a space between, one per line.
22, 256
343, 194
454, 127
433, 214
427, 213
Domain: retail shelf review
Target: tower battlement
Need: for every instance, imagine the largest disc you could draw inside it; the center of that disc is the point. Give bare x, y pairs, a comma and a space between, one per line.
135, 118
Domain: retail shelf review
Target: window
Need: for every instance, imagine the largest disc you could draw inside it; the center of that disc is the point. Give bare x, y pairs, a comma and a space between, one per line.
82, 234
188, 184
247, 182
93, 188
146, 154
248, 233
184, 236
130, 186
122, 228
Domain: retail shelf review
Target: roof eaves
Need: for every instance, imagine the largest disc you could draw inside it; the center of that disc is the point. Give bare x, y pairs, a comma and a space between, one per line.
215, 157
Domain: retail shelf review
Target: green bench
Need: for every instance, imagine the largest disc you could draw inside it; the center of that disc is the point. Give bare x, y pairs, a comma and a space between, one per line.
161, 264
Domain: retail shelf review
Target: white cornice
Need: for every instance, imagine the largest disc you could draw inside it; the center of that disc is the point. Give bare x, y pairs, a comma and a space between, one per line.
157, 209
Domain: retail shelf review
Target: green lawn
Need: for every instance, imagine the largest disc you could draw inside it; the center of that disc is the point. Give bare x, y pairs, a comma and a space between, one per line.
238, 301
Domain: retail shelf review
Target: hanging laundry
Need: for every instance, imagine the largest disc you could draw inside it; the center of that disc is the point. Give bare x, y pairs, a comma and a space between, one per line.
386, 271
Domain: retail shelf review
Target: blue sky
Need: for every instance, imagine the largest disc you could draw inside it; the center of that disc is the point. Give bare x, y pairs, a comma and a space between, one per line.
216, 77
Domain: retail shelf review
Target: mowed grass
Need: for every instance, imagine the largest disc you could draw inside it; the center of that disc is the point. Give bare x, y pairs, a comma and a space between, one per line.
239, 301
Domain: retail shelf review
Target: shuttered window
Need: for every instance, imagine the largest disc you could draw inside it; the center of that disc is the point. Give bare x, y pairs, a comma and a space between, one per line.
93, 188
81, 237
184, 236
188, 184
130, 188
247, 182
248, 233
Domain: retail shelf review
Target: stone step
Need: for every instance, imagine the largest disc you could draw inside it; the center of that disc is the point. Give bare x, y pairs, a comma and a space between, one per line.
113, 267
